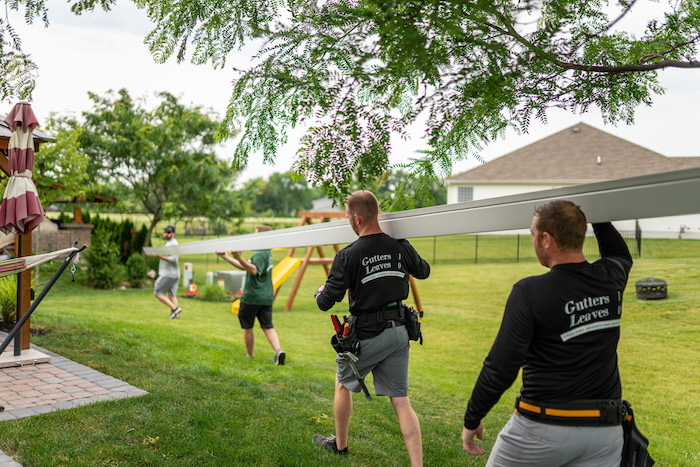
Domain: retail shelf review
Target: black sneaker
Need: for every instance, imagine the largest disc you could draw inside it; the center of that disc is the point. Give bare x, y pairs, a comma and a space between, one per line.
328, 443
279, 357
175, 314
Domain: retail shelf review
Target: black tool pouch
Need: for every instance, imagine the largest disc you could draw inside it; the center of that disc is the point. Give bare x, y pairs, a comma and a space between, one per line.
349, 343
634, 450
413, 324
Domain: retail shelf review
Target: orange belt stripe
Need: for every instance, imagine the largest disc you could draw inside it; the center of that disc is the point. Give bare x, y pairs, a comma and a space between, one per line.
572, 413
529, 407
559, 412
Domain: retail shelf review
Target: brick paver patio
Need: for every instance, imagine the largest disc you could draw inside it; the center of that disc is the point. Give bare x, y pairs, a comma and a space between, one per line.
59, 384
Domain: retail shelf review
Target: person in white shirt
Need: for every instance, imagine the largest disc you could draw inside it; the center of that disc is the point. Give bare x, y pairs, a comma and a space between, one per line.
165, 288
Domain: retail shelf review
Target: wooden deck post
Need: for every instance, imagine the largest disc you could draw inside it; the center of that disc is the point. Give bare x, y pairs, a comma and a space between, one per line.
26, 287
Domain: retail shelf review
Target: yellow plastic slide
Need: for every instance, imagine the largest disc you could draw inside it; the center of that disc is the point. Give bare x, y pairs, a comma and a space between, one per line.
280, 273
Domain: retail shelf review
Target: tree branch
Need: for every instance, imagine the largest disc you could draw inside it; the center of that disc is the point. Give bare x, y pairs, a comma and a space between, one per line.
675, 47
665, 63
605, 29
610, 69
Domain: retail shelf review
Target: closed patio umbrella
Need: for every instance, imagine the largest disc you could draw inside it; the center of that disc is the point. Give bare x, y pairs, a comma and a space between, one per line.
21, 210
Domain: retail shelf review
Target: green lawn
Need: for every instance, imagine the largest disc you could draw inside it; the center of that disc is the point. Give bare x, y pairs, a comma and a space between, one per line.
209, 405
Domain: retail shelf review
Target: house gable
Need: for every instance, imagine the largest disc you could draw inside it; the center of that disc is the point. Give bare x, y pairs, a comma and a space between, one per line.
578, 154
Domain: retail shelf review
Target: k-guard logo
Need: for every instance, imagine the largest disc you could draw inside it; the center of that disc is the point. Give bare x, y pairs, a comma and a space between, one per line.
588, 315
380, 266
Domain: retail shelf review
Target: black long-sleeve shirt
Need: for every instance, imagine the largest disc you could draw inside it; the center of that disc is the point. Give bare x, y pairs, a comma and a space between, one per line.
374, 270
562, 328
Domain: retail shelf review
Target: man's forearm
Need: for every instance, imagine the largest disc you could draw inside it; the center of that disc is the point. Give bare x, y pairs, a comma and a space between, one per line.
232, 262
248, 267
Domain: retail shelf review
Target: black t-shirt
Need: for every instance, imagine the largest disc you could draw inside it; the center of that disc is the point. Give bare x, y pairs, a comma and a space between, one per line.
375, 271
562, 328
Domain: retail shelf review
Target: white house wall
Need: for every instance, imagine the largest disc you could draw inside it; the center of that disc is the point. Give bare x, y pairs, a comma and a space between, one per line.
660, 227
487, 191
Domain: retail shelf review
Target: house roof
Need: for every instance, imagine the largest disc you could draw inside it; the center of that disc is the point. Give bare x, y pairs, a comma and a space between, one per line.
5, 132
578, 154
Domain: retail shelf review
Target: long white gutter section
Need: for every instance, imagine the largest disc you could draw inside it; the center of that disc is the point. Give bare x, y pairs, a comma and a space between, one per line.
657, 195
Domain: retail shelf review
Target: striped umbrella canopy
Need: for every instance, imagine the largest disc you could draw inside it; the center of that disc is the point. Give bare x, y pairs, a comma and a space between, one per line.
21, 210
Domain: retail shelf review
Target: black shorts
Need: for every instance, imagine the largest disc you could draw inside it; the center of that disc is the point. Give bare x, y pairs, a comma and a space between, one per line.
248, 313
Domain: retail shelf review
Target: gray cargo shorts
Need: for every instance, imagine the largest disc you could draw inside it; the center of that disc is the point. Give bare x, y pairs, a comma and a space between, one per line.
166, 285
524, 442
386, 356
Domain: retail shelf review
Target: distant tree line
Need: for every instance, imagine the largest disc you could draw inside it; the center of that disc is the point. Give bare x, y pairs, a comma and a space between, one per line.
283, 194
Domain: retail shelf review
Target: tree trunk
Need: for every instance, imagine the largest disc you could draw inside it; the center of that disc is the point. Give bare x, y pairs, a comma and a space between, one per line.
151, 228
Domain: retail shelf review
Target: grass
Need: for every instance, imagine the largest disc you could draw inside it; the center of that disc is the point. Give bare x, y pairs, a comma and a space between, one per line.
209, 405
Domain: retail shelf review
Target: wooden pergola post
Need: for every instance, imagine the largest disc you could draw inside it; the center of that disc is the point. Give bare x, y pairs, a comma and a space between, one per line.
25, 284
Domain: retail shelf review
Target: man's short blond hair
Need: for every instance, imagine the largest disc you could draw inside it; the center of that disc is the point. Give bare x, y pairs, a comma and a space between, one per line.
364, 204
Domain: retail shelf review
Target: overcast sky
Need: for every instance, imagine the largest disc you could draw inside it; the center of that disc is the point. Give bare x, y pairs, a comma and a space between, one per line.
101, 51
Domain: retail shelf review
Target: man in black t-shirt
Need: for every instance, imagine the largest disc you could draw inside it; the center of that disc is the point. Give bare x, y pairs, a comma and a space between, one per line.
375, 270
562, 329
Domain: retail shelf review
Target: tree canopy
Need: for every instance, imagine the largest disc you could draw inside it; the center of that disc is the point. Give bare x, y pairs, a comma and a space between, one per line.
281, 195
399, 187
164, 157
60, 169
356, 72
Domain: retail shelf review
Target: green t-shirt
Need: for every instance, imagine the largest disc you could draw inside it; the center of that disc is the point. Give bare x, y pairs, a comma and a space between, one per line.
258, 289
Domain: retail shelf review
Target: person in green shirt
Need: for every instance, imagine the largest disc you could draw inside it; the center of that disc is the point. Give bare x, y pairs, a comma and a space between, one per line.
257, 298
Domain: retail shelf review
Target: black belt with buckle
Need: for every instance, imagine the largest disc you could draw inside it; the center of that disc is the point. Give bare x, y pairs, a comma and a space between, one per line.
390, 313
587, 412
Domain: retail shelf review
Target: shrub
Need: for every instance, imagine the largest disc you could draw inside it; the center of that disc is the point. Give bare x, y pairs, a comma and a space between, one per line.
137, 243
104, 268
213, 293
136, 269
153, 262
125, 234
63, 218
8, 298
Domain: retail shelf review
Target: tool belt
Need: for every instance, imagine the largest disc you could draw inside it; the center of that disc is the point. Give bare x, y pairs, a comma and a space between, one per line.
579, 413
349, 342
414, 320
392, 314
635, 448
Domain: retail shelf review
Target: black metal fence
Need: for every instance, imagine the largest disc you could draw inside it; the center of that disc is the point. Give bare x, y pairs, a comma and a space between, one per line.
490, 248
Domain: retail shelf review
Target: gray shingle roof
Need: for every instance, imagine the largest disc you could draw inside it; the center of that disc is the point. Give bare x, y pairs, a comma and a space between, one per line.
38, 135
572, 156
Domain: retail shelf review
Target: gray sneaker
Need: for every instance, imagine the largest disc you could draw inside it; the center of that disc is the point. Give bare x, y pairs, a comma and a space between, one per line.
328, 443
279, 357
176, 313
